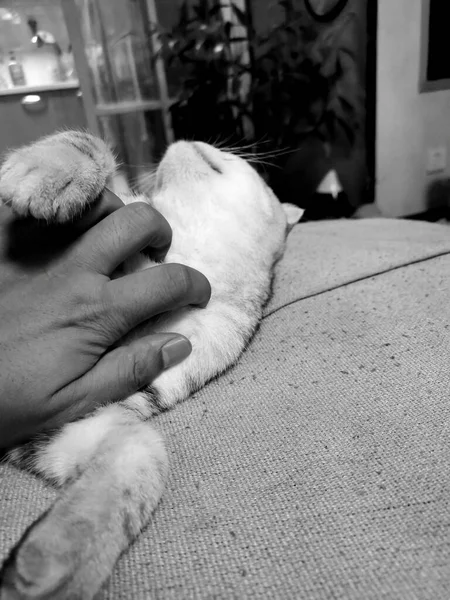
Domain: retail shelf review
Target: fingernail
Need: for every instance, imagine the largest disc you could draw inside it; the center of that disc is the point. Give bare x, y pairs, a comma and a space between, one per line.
175, 351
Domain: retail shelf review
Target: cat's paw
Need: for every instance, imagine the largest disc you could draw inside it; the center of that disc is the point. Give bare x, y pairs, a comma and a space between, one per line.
42, 567
56, 177
60, 556
31, 574
71, 550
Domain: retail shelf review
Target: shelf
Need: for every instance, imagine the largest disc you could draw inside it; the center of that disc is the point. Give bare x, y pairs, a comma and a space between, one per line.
36, 89
121, 108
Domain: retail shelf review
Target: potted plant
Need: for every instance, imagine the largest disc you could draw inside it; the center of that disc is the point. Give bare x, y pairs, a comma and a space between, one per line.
275, 92
200, 57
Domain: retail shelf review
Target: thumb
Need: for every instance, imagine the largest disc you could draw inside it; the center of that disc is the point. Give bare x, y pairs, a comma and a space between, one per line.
122, 372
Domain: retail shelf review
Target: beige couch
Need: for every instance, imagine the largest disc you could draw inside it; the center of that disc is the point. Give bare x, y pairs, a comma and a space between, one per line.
317, 468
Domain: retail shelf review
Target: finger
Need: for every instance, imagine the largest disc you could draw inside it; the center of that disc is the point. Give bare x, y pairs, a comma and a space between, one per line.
122, 372
140, 296
104, 205
122, 234
37, 242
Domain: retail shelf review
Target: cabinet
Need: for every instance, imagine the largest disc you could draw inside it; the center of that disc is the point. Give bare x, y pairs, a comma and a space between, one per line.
39, 88
24, 117
104, 74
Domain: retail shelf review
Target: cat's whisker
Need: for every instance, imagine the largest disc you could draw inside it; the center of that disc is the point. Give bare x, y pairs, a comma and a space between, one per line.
236, 147
242, 152
239, 146
267, 164
219, 143
272, 155
275, 151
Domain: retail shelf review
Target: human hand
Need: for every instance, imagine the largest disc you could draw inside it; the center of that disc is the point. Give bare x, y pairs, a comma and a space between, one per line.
61, 314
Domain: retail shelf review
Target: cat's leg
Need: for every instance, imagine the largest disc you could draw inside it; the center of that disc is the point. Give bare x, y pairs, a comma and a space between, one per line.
120, 470
56, 177
114, 466
117, 477
61, 457
219, 335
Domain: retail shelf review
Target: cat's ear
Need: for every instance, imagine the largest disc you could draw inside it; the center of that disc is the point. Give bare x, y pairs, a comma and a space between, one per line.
293, 214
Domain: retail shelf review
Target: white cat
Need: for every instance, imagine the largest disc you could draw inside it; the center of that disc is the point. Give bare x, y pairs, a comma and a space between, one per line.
113, 465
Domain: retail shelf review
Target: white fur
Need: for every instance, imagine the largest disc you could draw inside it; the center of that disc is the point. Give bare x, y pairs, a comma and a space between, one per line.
227, 224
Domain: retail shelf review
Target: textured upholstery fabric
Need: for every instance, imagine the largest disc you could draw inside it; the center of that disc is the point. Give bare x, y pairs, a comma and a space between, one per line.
318, 467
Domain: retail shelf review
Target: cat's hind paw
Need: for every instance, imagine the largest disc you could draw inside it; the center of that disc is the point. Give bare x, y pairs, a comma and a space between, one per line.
31, 575
57, 177
49, 563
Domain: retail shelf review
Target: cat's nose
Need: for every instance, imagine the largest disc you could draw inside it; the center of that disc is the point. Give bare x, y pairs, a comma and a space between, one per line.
204, 151
188, 160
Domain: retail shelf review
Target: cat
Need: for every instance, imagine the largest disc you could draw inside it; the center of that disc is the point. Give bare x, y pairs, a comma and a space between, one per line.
112, 465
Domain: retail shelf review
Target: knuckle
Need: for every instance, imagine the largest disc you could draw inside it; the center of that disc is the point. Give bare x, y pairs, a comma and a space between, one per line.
136, 369
81, 292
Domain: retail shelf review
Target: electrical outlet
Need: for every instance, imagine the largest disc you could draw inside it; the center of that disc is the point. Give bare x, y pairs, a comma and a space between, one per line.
437, 159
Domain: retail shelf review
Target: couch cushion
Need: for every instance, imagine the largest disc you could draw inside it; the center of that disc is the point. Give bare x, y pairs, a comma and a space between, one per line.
325, 254
318, 467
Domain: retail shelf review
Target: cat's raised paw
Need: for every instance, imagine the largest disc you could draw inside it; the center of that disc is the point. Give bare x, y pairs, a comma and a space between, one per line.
57, 177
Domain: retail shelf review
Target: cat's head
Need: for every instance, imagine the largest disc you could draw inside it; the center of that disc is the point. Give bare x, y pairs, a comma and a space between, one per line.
200, 179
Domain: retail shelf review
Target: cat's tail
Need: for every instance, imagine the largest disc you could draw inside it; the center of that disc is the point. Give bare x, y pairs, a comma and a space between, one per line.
115, 467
